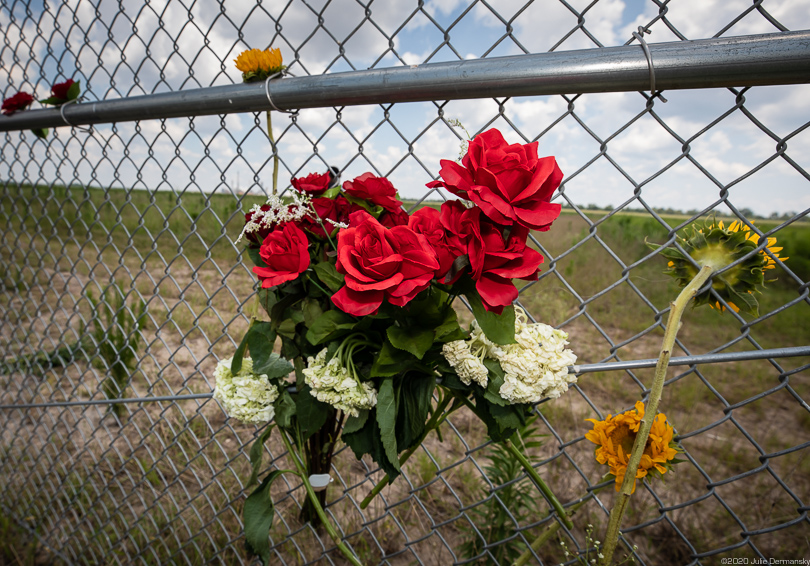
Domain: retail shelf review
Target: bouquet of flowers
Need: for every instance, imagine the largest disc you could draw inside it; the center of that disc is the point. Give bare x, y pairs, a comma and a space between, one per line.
360, 295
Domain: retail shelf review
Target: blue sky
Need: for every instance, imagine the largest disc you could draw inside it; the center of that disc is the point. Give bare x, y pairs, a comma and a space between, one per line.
103, 50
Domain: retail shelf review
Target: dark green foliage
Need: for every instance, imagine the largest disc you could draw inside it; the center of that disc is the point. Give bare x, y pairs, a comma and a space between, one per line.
494, 517
117, 337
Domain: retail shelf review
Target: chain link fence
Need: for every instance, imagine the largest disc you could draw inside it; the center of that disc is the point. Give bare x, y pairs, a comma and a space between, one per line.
141, 216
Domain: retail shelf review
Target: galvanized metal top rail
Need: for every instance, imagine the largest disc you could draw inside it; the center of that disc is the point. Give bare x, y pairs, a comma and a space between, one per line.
767, 59
578, 369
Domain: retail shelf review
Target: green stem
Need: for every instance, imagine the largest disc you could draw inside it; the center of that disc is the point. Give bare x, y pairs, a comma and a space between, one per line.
313, 497
552, 529
254, 315
434, 421
650, 410
275, 152
538, 481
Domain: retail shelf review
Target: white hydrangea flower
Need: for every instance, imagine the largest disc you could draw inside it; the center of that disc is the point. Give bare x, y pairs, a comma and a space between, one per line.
468, 366
536, 366
334, 384
245, 396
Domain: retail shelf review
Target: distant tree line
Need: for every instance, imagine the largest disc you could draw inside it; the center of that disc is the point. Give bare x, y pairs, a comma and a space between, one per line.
746, 212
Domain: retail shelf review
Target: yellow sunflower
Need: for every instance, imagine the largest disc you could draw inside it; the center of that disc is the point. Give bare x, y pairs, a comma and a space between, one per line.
718, 245
615, 436
257, 64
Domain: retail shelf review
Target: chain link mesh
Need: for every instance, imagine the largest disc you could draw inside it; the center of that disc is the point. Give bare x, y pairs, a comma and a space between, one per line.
147, 211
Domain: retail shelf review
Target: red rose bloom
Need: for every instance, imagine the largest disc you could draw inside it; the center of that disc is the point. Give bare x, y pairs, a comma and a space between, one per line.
60, 90
376, 190
16, 103
495, 261
509, 182
391, 218
313, 184
447, 245
380, 263
285, 253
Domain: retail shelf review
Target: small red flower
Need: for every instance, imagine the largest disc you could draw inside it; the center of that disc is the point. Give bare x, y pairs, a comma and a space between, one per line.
285, 252
376, 190
16, 103
314, 184
60, 90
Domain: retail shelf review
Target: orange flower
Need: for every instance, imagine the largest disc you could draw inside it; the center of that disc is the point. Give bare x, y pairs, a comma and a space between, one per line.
615, 436
257, 64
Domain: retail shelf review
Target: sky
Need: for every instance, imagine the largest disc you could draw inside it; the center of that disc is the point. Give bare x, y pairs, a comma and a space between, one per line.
164, 45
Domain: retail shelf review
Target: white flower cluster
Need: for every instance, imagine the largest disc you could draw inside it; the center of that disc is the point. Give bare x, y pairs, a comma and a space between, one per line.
334, 384
278, 212
245, 396
469, 366
535, 367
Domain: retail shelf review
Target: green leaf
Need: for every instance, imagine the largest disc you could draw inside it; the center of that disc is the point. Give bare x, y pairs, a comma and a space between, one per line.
330, 325
41, 133
354, 424
391, 361
451, 381
310, 412
287, 328
261, 339
500, 328
52, 100
255, 257
417, 341
361, 440
257, 454
258, 515
450, 330
312, 311
415, 395
387, 420
268, 299
236, 362
331, 193
329, 275
285, 409
494, 383
74, 90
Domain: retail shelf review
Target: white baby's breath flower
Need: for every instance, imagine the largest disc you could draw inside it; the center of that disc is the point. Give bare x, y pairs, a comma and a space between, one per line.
278, 212
334, 384
245, 396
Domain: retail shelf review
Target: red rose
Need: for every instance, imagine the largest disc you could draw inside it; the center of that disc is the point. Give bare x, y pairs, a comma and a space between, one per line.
60, 90
285, 253
495, 261
509, 182
19, 101
376, 190
380, 263
391, 218
313, 184
447, 245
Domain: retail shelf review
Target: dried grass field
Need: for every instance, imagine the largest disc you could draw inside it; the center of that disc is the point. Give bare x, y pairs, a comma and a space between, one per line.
162, 482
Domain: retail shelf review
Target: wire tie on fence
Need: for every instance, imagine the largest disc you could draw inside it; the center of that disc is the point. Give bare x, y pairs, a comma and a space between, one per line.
269, 98
639, 35
64, 118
